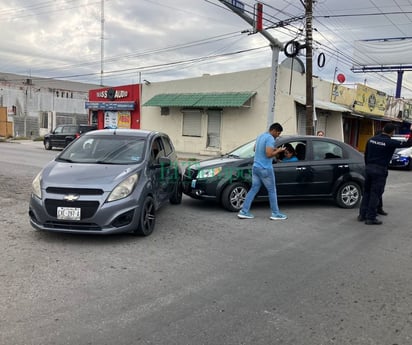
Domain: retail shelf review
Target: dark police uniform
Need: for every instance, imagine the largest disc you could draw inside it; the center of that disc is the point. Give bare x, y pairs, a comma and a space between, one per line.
378, 153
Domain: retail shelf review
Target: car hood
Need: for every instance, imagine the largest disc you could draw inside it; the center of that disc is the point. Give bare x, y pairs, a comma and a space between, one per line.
76, 175
221, 161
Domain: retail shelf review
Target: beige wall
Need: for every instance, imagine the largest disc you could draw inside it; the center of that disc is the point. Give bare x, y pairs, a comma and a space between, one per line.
238, 125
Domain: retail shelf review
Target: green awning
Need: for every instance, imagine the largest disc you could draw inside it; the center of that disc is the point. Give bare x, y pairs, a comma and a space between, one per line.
216, 99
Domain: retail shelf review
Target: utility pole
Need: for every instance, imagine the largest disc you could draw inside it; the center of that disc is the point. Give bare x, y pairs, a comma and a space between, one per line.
101, 41
276, 46
309, 68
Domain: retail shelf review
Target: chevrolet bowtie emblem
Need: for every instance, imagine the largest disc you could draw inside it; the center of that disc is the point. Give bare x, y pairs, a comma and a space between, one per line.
71, 197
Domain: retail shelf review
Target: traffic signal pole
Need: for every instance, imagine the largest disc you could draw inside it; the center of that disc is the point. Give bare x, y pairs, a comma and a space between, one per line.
237, 7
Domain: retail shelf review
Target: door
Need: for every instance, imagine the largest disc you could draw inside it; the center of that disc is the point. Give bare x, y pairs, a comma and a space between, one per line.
327, 165
291, 177
56, 138
159, 173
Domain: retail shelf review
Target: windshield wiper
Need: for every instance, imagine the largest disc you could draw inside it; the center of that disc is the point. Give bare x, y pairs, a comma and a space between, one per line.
232, 155
65, 160
105, 162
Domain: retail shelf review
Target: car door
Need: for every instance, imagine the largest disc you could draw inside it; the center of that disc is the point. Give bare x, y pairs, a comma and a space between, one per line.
159, 173
327, 165
292, 177
68, 135
56, 136
172, 172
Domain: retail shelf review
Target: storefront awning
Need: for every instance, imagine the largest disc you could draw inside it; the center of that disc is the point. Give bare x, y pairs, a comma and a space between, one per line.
216, 99
325, 105
382, 118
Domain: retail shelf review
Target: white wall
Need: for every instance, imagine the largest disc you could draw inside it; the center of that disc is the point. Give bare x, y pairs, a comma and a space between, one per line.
239, 125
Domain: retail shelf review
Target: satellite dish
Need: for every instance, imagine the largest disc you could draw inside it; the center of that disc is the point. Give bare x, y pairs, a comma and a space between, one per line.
295, 64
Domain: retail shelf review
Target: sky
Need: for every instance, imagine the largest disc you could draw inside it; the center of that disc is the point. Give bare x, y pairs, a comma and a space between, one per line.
119, 42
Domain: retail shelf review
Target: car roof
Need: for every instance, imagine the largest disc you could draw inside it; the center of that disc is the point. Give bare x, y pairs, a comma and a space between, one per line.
139, 133
306, 137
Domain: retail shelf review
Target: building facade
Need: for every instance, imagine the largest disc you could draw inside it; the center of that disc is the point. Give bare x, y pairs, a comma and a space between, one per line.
207, 115
37, 105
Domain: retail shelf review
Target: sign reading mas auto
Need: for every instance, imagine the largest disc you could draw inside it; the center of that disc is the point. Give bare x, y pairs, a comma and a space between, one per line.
115, 107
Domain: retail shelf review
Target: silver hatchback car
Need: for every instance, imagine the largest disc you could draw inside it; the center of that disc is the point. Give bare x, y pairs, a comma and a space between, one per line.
107, 181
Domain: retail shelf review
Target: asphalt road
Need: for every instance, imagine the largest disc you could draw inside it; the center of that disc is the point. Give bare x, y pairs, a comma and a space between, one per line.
204, 276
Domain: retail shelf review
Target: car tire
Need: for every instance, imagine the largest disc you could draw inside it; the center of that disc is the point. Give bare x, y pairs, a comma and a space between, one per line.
409, 166
233, 196
348, 195
147, 218
177, 195
47, 145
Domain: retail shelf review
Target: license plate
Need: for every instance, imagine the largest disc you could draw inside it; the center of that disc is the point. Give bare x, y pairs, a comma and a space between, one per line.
193, 185
68, 213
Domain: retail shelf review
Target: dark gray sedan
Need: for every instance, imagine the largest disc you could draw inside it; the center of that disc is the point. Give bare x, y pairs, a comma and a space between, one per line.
324, 168
107, 181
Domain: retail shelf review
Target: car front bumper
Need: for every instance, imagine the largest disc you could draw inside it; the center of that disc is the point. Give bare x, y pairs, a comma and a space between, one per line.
107, 218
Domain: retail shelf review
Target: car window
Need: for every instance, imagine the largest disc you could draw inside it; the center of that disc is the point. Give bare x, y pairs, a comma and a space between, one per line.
326, 150
69, 129
298, 149
157, 150
83, 129
58, 130
168, 146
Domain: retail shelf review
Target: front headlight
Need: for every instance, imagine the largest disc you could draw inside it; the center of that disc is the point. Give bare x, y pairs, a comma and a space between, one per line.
207, 173
123, 189
36, 185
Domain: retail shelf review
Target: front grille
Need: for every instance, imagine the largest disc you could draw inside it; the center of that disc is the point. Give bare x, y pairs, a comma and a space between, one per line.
80, 191
89, 208
73, 226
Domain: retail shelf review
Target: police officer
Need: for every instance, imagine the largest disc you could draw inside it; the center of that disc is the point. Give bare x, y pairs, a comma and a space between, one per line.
378, 153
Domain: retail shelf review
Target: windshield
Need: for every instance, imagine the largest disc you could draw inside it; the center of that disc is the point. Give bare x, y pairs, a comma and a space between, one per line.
104, 150
244, 151
404, 151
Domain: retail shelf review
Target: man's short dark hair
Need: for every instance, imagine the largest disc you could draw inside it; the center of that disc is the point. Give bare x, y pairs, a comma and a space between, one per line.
276, 126
388, 128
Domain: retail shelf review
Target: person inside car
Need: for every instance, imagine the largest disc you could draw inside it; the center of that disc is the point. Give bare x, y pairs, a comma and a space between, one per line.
289, 154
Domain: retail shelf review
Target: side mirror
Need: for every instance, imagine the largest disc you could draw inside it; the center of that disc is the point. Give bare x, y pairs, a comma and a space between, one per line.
163, 162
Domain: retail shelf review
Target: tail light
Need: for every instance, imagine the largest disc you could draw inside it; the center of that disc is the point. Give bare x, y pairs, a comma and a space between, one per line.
77, 135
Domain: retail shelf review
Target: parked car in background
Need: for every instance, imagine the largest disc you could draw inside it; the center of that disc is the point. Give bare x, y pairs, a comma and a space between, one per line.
63, 135
107, 181
402, 158
326, 169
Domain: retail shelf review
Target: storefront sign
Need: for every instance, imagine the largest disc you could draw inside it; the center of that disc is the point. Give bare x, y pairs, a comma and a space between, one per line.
369, 101
110, 105
112, 94
342, 95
